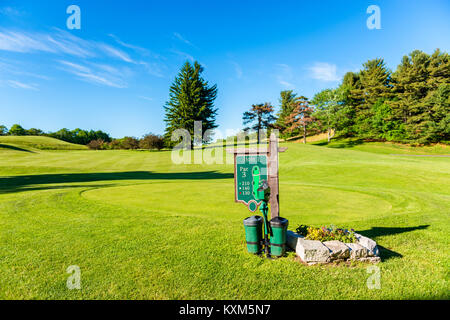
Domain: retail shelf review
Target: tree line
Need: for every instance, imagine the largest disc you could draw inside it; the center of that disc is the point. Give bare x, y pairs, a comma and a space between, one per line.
97, 140
409, 105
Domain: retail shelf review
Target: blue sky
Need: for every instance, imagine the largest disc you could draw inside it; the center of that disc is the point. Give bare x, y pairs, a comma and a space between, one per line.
114, 74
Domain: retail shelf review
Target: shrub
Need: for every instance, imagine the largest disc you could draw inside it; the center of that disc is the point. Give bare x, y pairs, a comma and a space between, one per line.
151, 141
129, 143
96, 144
327, 234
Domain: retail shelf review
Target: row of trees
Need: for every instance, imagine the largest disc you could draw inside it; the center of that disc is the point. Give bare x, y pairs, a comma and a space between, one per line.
97, 140
77, 136
409, 105
148, 142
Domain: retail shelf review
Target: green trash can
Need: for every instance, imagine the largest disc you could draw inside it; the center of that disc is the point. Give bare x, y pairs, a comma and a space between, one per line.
253, 233
278, 238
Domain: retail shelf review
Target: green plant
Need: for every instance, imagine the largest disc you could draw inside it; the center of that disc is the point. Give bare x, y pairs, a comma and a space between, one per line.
327, 233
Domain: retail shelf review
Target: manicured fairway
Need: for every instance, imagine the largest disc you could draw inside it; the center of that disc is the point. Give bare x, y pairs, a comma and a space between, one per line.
140, 227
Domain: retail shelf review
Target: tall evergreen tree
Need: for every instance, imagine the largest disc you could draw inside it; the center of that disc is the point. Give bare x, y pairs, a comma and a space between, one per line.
287, 102
301, 117
375, 79
259, 117
417, 103
191, 99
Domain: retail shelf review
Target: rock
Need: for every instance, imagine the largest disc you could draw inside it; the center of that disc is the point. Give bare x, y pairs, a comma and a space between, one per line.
338, 249
312, 251
370, 259
357, 251
369, 244
292, 238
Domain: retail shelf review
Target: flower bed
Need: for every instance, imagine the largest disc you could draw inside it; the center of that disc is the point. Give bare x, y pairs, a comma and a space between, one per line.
330, 244
327, 234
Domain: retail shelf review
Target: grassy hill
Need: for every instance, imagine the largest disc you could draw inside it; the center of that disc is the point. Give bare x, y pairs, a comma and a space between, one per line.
141, 227
29, 143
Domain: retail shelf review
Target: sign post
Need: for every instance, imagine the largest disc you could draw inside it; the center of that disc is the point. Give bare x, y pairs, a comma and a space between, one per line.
251, 168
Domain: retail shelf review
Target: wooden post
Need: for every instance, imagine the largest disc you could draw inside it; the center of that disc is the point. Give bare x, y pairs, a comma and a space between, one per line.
273, 177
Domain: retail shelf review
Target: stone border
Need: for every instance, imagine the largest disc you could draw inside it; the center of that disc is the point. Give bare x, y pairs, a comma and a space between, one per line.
317, 252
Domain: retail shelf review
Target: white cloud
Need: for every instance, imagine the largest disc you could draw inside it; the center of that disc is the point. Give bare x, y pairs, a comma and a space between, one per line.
100, 76
182, 39
237, 69
284, 74
20, 85
11, 12
67, 47
59, 42
187, 56
113, 52
138, 49
21, 42
146, 98
324, 71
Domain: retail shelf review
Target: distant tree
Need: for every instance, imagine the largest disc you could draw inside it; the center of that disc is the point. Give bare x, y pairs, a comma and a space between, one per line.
301, 116
287, 101
34, 132
3, 130
152, 141
375, 84
191, 99
259, 117
129, 143
17, 130
96, 144
417, 81
331, 111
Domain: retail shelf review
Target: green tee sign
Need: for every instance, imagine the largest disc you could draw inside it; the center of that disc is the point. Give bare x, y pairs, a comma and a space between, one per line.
250, 171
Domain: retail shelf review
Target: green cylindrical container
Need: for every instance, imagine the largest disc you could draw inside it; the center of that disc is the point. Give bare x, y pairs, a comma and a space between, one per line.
253, 233
278, 239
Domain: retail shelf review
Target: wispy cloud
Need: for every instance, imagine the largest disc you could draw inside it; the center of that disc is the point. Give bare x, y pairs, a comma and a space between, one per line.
11, 12
237, 69
140, 50
185, 55
116, 53
284, 75
183, 39
324, 71
76, 55
58, 42
101, 75
16, 68
21, 85
22, 42
145, 98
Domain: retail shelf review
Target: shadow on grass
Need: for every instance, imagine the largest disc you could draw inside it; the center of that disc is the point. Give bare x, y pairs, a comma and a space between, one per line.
385, 253
22, 183
388, 231
6, 146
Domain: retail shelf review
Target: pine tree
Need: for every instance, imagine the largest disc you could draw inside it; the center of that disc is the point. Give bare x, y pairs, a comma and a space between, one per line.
375, 79
191, 99
416, 82
259, 117
301, 116
287, 100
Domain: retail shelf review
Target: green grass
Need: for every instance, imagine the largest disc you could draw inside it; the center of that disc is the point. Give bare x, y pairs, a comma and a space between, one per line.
32, 143
385, 147
140, 227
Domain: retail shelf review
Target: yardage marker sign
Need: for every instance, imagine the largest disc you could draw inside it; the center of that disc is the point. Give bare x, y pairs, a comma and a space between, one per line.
250, 170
